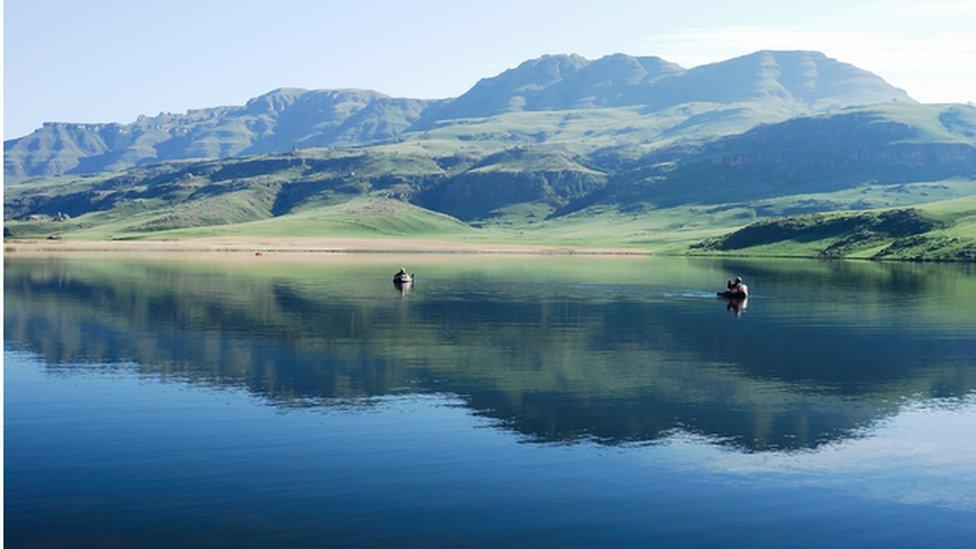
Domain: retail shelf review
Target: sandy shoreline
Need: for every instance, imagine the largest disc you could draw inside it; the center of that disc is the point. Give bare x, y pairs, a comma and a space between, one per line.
301, 245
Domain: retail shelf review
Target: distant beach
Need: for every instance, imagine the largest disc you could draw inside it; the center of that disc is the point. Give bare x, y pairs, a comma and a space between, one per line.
302, 245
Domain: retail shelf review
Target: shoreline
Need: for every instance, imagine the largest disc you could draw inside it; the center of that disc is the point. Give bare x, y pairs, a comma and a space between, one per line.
367, 246
303, 246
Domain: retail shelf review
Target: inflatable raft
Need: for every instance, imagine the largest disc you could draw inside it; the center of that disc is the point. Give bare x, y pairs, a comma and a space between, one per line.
732, 295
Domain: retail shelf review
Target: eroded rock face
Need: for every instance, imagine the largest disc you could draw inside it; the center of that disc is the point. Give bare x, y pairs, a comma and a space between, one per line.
280, 120
475, 195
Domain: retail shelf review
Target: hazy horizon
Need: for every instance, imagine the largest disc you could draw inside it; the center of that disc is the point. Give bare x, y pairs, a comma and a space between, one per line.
113, 61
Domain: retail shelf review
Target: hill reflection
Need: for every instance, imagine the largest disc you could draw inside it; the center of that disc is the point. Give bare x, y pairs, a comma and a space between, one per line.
560, 351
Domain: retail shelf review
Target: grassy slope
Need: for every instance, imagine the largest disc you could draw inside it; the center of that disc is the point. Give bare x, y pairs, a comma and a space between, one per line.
585, 130
947, 233
670, 230
361, 217
341, 193
943, 123
368, 216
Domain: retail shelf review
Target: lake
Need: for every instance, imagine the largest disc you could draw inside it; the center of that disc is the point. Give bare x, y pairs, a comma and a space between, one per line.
304, 400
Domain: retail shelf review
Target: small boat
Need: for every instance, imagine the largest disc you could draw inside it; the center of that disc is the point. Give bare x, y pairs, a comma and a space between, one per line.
403, 278
732, 295
734, 289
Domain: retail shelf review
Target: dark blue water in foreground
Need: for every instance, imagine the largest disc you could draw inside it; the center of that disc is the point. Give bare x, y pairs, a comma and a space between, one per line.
503, 401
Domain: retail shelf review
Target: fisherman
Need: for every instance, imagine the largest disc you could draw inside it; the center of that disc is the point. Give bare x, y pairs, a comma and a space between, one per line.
402, 277
739, 287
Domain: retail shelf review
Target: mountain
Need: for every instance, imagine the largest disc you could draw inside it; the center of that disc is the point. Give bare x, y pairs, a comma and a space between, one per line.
794, 80
277, 121
561, 150
557, 82
530, 181
884, 144
766, 86
801, 79
857, 158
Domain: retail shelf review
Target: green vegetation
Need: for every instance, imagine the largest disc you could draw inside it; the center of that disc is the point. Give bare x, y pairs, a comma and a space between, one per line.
939, 231
559, 151
360, 217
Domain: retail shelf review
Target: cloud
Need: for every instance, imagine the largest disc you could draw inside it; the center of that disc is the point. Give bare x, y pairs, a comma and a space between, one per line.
928, 9
923, 455
695, 46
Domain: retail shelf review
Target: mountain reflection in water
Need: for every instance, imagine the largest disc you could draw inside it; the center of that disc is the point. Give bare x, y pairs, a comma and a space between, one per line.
560, 350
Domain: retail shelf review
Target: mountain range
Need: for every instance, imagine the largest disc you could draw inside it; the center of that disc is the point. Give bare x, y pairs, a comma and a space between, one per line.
784, 83
623, 150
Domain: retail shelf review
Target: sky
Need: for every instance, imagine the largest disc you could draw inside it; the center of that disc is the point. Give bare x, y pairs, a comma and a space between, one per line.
112, 60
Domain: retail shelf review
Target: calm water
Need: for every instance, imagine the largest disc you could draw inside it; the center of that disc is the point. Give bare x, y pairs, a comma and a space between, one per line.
504, 401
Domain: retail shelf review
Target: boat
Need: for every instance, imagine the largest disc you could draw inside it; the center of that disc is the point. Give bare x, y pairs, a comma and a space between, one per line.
734, 290
732, 294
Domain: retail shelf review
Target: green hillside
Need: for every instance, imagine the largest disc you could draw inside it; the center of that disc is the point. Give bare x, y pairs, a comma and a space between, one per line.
882, 144
617, 152
937, 231
360, 217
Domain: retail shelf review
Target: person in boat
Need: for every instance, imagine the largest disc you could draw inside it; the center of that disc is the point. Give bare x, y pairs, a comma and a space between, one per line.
402, 276
738, 287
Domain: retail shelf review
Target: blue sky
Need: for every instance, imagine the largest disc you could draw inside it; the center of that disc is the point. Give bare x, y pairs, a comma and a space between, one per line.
111, 60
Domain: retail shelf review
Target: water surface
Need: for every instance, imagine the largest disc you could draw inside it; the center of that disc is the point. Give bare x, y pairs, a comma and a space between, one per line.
503, 400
